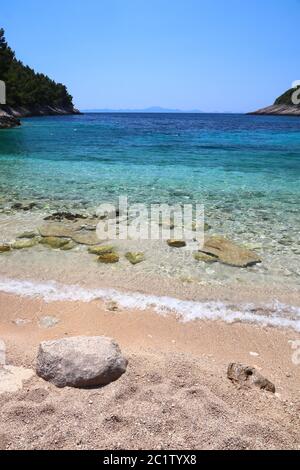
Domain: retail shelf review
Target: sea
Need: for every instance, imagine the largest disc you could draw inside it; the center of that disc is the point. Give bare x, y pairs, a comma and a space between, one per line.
243, 169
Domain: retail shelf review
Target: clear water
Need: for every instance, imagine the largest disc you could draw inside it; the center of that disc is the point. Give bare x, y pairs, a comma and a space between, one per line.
244, 169
230, 162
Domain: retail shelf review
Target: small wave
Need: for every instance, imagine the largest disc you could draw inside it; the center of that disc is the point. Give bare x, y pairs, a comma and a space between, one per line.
275, 314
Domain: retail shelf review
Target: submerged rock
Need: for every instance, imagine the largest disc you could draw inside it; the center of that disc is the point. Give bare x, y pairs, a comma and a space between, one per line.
167, 224
196, 226
73, 230
248, 377
55, 242
88, 227
101, 249
229, 252
24, 206
65, 216
57, 230
80, 362
109, 258
69, 246
135, 258
4, 248
176, 243
28, 235
86, 238
199, 256
24, 243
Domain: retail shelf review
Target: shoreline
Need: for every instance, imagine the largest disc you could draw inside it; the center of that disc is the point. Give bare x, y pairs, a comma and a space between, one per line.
169, 279
277, 110
215, 305
176, 373
10, 115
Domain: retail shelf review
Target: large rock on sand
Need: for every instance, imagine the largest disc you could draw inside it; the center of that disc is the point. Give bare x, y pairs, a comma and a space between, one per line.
80, 362
230, 253
248, 377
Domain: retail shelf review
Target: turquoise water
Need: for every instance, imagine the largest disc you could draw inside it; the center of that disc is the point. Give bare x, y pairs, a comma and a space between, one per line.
244, 169
247, 167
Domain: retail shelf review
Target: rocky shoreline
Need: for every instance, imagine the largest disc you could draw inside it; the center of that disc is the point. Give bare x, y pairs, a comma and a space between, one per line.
278, 110
10, 116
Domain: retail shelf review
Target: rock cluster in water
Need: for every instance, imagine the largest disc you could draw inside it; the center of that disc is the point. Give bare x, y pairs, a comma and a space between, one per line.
66, 230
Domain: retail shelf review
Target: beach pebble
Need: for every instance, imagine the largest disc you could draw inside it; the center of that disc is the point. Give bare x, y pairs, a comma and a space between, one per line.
248, 376
135, 258
54, 242
112, 306
176, 243
69, 246
24, 243
2, 353
21, 321
4, 248
25, 206
81, 361
108, 258
101, 249
199, 256
48, 322
12, 378
28, 235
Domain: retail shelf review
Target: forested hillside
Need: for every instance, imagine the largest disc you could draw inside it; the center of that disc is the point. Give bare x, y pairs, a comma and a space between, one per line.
25, 87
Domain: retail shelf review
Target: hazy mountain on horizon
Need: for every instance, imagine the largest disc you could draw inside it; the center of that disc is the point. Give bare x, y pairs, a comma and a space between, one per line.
152, 109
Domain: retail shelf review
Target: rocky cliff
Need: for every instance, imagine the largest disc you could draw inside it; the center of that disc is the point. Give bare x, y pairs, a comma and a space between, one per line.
283, 106
26, 92
10, 115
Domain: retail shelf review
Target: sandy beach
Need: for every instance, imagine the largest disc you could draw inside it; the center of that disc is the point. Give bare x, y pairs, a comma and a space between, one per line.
175, 393
149, 228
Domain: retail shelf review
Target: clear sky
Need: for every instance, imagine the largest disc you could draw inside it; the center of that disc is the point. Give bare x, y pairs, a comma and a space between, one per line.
212, 55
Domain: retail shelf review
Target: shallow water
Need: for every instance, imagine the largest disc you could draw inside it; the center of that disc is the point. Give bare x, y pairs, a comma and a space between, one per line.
244, 169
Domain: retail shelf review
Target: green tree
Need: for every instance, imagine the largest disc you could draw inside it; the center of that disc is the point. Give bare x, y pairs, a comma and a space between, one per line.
25, 87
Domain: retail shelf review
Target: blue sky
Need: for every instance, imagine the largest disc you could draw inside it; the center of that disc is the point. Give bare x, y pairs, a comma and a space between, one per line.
213, 55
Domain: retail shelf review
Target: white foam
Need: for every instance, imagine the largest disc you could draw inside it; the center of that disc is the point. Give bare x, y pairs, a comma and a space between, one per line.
275, 314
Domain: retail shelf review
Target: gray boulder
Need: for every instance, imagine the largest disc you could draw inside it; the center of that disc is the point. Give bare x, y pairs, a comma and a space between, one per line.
80, 362
248, 376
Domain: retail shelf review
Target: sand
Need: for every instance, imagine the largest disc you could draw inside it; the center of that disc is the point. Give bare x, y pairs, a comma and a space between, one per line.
174, 395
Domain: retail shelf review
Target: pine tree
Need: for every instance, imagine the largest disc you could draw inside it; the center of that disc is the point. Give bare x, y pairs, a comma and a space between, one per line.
25, 87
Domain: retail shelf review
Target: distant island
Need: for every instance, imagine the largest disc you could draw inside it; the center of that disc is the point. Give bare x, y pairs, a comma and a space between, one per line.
152, 109
283, 106
29, 93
